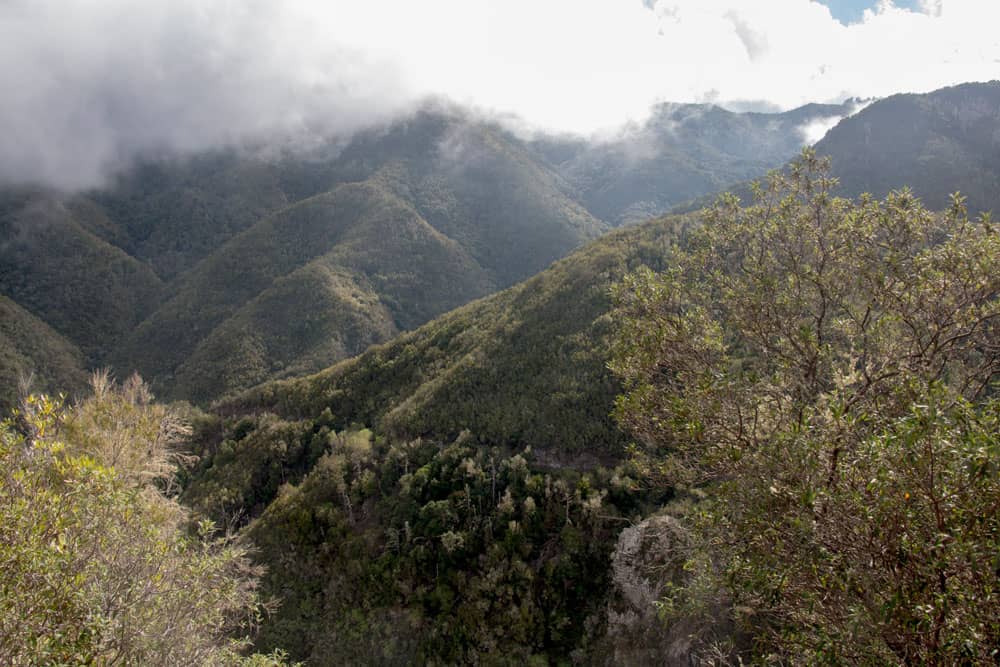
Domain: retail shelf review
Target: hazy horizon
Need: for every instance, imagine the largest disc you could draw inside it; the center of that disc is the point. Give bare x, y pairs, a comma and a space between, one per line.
97, 83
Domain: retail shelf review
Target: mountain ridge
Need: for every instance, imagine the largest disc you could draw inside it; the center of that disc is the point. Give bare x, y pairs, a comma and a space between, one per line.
213, 272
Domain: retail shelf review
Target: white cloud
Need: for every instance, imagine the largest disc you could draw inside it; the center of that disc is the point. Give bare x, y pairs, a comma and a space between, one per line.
815, 130
932, 7
89, 83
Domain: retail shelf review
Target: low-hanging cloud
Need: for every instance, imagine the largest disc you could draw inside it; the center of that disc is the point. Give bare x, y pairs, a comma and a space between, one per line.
814, 130
91, 84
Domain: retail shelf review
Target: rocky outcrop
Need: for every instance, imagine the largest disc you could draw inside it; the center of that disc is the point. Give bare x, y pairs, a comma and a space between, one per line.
648, 561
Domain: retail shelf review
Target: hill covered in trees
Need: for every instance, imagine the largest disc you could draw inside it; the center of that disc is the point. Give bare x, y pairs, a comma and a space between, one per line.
207, 255
211, 273
453, 494
461, 493
936, 143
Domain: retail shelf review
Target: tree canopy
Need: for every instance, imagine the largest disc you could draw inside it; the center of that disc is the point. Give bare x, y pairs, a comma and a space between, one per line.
820, 371
98, 562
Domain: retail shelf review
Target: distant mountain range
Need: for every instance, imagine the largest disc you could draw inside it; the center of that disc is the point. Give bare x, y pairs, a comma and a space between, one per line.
214, 273
937, 144
681, 152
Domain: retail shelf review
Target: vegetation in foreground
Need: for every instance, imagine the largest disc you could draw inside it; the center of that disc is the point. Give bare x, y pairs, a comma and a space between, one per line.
99, 564
834, 427
820, 373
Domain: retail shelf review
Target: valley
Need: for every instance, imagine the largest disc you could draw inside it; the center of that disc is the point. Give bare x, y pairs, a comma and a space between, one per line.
445, 376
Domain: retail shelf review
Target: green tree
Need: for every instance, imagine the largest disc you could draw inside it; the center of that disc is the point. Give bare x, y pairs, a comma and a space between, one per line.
821, 368
98, 562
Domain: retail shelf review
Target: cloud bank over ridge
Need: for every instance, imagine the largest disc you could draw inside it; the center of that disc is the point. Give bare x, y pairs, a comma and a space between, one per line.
91, 84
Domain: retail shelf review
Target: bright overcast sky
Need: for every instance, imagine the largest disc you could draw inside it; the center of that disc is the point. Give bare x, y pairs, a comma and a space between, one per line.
89, 83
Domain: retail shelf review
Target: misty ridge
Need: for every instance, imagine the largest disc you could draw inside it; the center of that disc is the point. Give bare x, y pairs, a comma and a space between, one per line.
184, 77
211, 249
95, 151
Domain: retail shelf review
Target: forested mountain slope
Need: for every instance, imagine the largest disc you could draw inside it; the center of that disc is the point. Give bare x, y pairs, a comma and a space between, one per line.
525, 366
490, 423
245, 266
936, 144
31, 350
330, 275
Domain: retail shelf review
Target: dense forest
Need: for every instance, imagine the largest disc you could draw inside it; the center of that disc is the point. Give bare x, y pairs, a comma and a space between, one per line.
426, 399
215, 272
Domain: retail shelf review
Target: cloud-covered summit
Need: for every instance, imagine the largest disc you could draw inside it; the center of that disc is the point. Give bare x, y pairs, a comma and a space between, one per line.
90, 84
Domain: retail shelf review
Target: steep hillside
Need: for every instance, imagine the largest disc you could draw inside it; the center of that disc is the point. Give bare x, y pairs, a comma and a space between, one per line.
31, 350
456, 213
489, 486
522, 367
387, 272
682, 151
211, 273
937, 144
88, 290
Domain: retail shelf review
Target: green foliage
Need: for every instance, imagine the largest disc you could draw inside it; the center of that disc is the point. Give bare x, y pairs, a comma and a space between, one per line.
526, 367
239, 476
438, 553
820, 365
88, 290
31, 350
97, 564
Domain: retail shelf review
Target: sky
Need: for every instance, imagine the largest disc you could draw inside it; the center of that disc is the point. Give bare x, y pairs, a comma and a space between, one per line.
852, 11
89, 85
